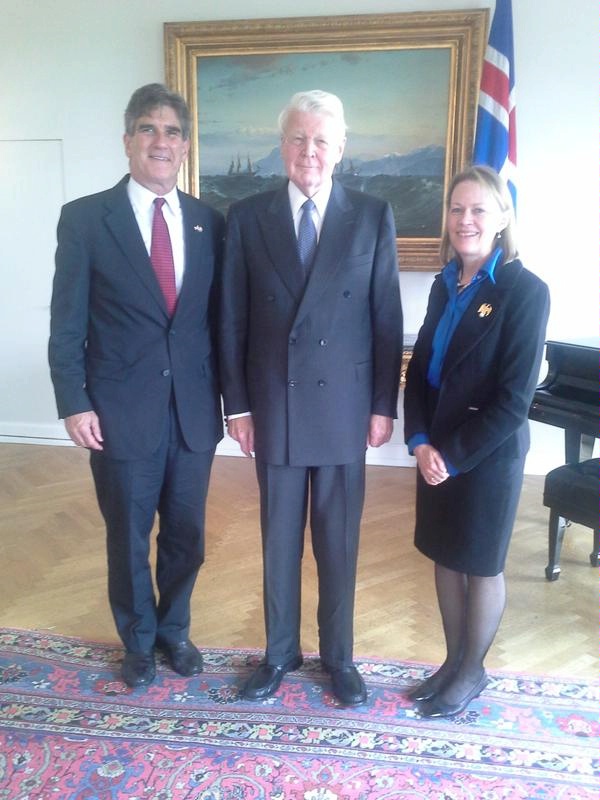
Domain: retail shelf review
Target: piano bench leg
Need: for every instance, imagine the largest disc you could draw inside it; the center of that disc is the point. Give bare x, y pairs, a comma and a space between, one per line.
594, 556
556, 532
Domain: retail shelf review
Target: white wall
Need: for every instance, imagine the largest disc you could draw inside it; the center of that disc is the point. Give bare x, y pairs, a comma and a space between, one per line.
69, 67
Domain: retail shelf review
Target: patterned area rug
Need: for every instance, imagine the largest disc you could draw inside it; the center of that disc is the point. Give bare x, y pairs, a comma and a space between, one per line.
70, 730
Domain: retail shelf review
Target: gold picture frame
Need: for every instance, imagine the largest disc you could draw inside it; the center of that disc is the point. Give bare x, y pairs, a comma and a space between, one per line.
404, 79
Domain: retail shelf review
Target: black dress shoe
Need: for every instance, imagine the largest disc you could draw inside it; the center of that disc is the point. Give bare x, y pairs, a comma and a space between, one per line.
184, 657
422, 692
138, 669
428, 689
347, 685
438, 708
266, 679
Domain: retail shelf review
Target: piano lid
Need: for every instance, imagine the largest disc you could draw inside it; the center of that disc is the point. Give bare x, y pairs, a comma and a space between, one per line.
569, 395
585, 341
574, 364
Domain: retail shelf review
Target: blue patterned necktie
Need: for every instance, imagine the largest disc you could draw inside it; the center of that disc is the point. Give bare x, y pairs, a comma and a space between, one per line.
307, 236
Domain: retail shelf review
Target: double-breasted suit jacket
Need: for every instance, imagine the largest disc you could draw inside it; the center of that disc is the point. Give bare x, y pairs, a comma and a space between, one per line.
113, 348
489, 373
311, 359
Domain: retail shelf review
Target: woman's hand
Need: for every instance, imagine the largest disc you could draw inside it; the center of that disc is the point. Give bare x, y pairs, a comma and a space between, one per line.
431, 464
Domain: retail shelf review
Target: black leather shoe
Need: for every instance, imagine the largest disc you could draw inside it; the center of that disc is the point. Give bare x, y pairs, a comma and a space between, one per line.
437, 708
347, 685
184, 657
428, 689
266, 679
138, 669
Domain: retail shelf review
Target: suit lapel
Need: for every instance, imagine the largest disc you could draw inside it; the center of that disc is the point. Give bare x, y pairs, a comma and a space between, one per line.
279, 238
340, 219
482, 314
194, 240
121, 221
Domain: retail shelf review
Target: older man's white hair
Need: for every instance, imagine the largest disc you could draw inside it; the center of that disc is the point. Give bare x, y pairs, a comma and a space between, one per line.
314, 101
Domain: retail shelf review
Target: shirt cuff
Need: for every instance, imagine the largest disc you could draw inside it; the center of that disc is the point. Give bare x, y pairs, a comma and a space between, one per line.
452, 471
237, 416
415, 440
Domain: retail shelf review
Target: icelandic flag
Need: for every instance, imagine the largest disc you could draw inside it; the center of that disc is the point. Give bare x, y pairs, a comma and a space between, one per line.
496, 132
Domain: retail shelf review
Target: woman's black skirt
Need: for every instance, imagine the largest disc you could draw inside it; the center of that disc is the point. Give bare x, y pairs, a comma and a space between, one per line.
465, 523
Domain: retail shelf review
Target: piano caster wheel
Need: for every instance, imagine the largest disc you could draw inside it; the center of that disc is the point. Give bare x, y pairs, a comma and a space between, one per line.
552, 573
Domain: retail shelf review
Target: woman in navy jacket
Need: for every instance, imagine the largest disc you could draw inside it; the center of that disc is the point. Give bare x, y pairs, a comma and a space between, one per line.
469, 386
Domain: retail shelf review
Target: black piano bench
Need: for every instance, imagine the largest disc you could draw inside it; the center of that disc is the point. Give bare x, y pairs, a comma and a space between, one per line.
571, 492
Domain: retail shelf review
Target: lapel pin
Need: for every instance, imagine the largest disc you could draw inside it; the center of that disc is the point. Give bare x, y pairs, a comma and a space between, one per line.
198, 228
484, 310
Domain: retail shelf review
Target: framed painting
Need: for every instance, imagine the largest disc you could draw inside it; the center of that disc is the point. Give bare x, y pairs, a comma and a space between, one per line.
409, 84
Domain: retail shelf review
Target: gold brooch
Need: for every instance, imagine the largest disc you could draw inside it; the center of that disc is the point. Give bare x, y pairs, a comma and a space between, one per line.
484, 310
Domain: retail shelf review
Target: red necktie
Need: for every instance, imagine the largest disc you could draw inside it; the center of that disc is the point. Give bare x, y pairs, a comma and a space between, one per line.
161, 255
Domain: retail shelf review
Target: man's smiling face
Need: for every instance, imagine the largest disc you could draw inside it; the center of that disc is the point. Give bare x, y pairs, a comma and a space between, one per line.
156, 150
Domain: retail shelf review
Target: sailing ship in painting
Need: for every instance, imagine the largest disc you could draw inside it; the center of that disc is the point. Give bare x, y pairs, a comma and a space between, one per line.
235, 168
413, 183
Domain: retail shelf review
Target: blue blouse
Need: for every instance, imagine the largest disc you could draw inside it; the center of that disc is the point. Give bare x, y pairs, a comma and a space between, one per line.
455, 308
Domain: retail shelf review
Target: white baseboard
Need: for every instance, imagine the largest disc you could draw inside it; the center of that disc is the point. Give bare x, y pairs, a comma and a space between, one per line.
389, 455
46, 433
547, 449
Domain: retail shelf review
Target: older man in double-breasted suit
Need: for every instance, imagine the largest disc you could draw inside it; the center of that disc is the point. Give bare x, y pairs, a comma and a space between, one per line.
310, 360
133, 362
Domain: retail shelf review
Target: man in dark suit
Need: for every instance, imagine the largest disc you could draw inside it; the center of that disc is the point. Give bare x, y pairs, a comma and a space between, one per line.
311, 340
133, 364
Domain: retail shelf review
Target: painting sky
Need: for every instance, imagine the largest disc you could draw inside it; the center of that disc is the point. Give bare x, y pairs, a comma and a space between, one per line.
395, 100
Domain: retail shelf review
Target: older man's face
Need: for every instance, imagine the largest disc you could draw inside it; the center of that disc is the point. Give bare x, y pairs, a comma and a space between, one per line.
311, 146
156, 150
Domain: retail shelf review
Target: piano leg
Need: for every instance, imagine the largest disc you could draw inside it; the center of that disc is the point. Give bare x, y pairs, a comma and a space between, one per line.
578, 446
594, 556
556, 533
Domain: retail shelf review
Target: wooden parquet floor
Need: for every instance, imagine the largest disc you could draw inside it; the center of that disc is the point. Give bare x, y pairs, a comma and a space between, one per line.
52, 569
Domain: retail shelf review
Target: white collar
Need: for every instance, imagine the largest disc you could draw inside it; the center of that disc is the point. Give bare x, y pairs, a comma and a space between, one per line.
141, 197
320, 198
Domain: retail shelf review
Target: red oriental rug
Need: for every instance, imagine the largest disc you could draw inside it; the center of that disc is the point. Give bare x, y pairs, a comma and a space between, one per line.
70, 730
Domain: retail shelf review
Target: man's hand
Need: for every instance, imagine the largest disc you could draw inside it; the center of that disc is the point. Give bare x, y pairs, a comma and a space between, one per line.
242, 430
84, 430
432, 465
380, 430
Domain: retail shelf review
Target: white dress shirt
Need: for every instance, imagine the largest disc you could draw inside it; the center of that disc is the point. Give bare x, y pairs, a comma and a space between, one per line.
320, 199
142, 202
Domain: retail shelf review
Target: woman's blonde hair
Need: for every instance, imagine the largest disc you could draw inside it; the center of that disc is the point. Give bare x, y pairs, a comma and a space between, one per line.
496, 186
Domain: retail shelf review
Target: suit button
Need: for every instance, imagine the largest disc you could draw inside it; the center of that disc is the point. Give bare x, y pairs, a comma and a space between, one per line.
292, 340
292, 384
165, 373
171, 332
347, 293
323, 342
321, 383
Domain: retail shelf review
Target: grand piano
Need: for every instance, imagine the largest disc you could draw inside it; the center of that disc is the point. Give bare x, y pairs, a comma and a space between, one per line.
568, 397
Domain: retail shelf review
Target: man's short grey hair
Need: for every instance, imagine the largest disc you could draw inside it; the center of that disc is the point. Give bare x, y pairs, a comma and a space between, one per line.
154, 95
314, 101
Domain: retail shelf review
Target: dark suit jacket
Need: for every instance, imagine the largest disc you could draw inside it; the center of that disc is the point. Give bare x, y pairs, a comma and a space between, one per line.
313, 362
113, 348
490, 371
